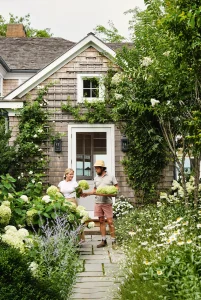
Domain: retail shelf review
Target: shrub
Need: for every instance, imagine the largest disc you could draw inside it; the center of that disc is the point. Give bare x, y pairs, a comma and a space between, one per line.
17, 281
55, 255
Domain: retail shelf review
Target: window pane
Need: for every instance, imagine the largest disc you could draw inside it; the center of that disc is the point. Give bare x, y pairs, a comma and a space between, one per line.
94, 83
86, 83
86, 93
95, 93
100, 145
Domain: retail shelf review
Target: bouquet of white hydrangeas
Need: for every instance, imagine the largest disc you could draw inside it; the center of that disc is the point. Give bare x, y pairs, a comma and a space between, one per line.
82, 185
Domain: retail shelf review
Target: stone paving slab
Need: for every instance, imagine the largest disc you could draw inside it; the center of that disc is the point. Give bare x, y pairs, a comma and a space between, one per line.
86, 285
93, 268
100, 268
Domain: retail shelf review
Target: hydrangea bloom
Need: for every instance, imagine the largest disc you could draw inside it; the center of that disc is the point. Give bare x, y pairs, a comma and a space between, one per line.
5, 214
106, 190
15, 237
30, 215
24, 198
52, 190
91, 225
6, 203
46, 199
83, 184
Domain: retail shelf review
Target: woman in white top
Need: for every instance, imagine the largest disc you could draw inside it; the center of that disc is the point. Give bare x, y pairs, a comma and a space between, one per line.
67, 186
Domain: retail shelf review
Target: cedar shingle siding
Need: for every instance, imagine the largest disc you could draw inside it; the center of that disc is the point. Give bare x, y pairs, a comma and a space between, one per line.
33, 54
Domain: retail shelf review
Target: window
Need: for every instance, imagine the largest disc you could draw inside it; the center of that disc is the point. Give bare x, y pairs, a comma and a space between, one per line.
90, 146
89, 87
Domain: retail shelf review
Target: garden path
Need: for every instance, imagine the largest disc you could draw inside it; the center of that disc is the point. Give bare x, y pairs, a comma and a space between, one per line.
100, 277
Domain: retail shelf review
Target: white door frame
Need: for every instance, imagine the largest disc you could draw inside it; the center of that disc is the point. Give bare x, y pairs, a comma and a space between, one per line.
74, 128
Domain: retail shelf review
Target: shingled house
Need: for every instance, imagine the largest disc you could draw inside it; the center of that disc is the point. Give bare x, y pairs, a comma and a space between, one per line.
26, 63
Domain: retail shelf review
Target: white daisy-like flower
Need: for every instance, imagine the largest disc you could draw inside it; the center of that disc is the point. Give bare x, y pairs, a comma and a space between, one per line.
154, 102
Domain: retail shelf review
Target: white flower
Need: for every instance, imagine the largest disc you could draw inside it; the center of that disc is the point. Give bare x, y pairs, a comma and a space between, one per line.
22, 174
33, 181
189, 241
24, 198
91, 225
159, 272
180, 243
166, 53
154, 102
163, 195
46, 199
132, 233
159, 204
39, 87
40, 130
11, 228
118, 96
198, 225
30, 172
116, 78
146, 61
144, 243
22, 232
35, 136
33, 267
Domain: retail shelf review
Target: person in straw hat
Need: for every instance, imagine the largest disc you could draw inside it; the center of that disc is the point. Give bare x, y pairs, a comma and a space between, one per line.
103, 203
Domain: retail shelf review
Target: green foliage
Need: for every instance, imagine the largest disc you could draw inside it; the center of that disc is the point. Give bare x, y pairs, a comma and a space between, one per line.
30, 32
55, 255
7, 186
16, 280
7, 152
162, 245
90, 112
110, 35
30, 161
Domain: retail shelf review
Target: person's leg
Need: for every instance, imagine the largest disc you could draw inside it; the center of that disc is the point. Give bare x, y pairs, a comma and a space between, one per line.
111, 227
109, 215
98, 212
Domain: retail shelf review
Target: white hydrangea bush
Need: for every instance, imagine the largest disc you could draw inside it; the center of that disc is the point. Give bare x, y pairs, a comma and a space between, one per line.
16, 238
122, 207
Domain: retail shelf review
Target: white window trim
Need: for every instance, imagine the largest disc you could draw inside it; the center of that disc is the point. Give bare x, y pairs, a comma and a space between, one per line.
1, 85
76, 128
80, 77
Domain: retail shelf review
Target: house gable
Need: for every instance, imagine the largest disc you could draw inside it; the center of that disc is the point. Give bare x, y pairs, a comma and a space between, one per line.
89, 41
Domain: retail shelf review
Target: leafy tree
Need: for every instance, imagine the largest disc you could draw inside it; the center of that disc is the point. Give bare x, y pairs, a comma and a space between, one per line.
110, 35
30, 32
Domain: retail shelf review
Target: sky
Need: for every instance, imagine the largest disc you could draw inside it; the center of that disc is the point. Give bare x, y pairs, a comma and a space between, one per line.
72, 19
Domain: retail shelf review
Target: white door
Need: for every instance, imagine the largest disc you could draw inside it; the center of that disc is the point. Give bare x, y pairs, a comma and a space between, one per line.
86, 144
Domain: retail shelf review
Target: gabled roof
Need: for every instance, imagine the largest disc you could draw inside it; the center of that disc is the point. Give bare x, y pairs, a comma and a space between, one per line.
36, 53
89, 40
32, 53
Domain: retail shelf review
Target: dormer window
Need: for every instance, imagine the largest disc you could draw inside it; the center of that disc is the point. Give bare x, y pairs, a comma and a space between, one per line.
89, 87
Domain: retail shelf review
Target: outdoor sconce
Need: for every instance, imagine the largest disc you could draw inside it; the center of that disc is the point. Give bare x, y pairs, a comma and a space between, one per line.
58, 145
124, 144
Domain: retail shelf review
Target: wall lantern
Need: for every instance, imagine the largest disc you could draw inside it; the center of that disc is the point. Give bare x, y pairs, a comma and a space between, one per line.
58, 145
124, 144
